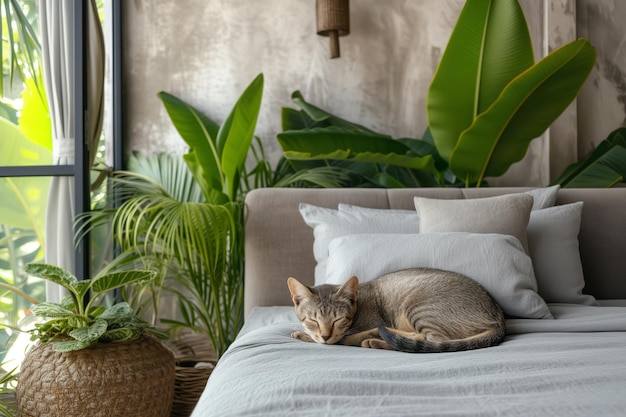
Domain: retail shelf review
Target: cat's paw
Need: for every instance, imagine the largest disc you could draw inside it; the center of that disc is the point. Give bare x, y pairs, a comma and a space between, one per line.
374, 343
302, 336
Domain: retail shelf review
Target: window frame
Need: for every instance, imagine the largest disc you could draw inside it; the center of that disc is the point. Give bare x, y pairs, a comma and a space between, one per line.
80, 170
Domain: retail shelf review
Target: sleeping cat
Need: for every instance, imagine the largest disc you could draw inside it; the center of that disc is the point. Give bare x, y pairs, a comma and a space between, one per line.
413, 310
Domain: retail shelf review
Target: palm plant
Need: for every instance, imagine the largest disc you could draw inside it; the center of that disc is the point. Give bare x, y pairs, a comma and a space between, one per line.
184, 217
164, 223
7, 392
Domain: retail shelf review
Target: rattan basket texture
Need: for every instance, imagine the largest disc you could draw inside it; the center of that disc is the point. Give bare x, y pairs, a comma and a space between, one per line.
134, 378
195, 360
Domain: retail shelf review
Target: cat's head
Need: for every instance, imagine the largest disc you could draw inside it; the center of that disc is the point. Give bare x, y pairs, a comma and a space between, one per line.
326, 311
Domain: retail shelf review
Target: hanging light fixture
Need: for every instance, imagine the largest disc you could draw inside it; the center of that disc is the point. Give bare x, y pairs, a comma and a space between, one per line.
333, 20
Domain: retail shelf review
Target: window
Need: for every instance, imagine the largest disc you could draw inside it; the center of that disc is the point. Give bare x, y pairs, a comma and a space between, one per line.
38, 174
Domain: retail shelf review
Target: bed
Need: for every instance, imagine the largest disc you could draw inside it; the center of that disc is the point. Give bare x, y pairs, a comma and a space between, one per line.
566, 357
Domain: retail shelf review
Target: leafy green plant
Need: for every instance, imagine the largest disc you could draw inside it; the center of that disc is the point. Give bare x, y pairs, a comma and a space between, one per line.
75, 323
488, 99
313, 139
185, 219
22, 210
7, 392
605, 167
18, 30
217, 153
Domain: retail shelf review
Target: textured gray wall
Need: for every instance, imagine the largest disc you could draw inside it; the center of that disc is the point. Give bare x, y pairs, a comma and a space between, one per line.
603, 98
207, 51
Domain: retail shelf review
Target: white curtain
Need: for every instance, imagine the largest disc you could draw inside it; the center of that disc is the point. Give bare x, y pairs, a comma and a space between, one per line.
57, 42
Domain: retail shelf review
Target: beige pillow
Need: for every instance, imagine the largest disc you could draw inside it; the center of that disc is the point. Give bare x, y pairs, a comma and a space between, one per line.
505, 214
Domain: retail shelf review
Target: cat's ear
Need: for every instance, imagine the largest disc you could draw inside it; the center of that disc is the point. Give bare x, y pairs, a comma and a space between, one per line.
298, 290
349, 288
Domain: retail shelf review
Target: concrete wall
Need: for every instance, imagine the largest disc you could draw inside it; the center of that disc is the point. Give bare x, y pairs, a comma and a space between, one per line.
207, 51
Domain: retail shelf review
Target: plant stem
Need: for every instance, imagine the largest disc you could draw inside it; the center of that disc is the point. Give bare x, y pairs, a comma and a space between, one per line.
19, 292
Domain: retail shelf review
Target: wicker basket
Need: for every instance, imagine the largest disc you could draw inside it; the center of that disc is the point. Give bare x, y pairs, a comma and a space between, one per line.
195, 360
134, 378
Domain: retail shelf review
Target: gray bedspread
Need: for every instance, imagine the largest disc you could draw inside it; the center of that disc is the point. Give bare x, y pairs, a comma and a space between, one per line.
574, 365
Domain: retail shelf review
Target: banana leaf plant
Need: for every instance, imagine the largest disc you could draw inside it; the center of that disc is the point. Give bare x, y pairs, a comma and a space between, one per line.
18, 29
313, 139
489, 99
217, 153
604, 168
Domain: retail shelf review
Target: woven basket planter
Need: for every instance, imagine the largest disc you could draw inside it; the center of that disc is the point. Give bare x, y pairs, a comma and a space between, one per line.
195, 360
134, 378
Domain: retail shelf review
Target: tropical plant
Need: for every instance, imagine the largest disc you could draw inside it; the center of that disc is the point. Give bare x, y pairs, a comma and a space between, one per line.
488, 99
75, 323
22, 213
319, 144
26, 140
217, 153
605, 167
185, 219
18, 28
7, 392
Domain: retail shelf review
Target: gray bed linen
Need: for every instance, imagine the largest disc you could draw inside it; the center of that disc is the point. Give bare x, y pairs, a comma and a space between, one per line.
574, 365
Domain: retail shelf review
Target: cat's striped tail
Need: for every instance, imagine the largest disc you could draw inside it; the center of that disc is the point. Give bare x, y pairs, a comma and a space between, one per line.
403, 343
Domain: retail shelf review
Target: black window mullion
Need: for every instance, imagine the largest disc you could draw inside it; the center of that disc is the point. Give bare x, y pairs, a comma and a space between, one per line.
37, 171
81, 156
116, 61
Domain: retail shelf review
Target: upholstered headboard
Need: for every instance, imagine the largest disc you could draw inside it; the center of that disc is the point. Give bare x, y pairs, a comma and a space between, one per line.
279, 244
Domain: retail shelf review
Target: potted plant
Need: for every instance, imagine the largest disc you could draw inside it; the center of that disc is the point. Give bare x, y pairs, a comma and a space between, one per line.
92, 360
183, 217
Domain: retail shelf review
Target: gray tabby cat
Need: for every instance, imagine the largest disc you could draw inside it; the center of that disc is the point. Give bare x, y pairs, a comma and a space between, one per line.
413, 310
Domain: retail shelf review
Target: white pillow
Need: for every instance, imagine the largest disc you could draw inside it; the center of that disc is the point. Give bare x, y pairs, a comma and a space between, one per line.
553, 247
505, 214
328, 224
497, 262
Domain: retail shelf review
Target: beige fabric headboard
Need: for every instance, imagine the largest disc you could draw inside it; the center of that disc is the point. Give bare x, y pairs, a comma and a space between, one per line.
279, 244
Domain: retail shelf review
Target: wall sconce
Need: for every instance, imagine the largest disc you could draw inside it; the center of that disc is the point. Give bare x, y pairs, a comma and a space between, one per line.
333, 20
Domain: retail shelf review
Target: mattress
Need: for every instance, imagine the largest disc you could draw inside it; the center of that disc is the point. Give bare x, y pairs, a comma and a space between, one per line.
573, 365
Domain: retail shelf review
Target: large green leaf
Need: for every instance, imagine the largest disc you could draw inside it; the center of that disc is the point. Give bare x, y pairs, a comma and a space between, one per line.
118, 335
200, 133
111, 281
605, 167
169, 171
70, 345
117, 311
51, 310
321, 116
293, 119
340, 144
489, 46
52, 273
235, 135
23, 43
90, 334
527, 106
